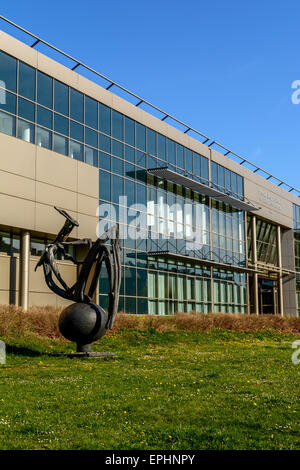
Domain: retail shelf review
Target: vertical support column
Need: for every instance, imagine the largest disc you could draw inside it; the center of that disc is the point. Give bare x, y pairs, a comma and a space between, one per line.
279, 254
254, 261
25, 257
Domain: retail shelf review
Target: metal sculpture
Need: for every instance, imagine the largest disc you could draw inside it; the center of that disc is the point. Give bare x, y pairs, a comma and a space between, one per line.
84, 322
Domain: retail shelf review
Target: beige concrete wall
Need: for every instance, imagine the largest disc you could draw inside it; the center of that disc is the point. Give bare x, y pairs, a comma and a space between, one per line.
29, 192
39, 293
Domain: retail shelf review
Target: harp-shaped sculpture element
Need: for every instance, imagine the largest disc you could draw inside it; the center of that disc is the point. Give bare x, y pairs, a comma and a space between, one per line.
84, 321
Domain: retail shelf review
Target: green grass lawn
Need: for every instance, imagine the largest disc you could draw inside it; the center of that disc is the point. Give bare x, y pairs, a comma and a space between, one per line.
171, 390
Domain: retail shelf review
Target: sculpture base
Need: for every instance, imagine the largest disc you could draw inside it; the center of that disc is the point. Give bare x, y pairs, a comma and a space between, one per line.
84, 354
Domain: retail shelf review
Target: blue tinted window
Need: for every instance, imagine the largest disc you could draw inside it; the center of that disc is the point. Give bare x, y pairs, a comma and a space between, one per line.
76, 150
44, 117
117, 188
161, 146
240, 185
129, 131
61, 124
91, 137
43, 138
117, 125
26, 109
76, 131
61, 98
171, 151
91, 112
25, 131
8, 103
27, 81
8, 72
140, 133
117, 165
197, 164
214, 173
7, 123
104, 185
180, 155
44, 89
140, 158
129, 154
151, 141
104, 161
188, 161
91, 156
116, 148
76, 105
204, 168
104, 143
104, 119
60, 144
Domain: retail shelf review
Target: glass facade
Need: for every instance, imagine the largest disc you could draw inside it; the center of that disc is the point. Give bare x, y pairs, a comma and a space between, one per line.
266, 242
41, 110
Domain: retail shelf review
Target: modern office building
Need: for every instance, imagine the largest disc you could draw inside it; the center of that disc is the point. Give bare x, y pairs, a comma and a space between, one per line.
203, 229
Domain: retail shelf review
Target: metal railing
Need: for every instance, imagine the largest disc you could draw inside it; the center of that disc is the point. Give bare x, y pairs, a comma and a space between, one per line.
164, 115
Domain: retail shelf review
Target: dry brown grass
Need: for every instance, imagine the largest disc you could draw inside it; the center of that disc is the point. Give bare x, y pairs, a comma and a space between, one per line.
43, 321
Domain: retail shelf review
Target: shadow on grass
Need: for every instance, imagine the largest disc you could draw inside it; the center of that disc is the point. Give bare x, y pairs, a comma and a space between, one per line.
22, 351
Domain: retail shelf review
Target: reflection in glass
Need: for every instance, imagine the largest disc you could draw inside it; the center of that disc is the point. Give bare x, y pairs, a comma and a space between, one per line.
91, 112
7, 101
44, 117
61, 124
76, 150
60, 144
25, 131
7, 124
43, 138
91, 156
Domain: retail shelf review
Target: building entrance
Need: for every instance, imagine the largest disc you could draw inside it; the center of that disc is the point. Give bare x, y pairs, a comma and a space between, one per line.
267, 296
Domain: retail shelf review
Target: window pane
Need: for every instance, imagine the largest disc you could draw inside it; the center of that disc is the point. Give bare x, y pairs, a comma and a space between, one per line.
104, 143
26, 109
44, 117
7, 101
117, 125
8, 72
43, 138
91, 137
104, 119
129, 131
104, 161
129, 154
60, 144
140, 136
76, 150
25, 131
151, 141
116, 148
7, 124
171, 151
104, 185
161, 146
26, 81
44, 89
91, 156
76, 105
180, 156
91, 112
61, 98
61, 124
76, 131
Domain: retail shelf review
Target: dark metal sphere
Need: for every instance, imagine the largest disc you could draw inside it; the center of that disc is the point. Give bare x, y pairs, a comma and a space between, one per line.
83, 323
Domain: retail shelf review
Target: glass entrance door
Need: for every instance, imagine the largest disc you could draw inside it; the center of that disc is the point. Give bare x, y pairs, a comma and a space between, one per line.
267, 296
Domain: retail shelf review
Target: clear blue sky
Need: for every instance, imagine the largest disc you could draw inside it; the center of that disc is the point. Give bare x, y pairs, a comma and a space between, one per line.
224, 67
